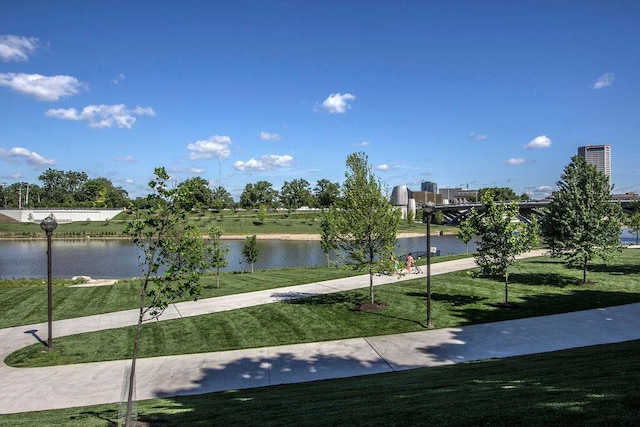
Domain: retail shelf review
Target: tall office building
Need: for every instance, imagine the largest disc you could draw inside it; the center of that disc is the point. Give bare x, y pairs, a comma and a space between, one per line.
430, 187
599, 156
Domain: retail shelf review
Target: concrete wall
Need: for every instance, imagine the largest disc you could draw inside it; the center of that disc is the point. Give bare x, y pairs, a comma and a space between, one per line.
61, 215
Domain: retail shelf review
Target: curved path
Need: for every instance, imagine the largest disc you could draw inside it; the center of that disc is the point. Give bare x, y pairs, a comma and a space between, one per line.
32, 389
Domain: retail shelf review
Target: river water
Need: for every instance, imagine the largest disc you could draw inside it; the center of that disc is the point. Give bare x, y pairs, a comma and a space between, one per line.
114, 259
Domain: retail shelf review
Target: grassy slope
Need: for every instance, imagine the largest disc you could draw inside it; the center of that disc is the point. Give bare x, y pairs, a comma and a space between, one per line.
542, 286
241, 223
585, 386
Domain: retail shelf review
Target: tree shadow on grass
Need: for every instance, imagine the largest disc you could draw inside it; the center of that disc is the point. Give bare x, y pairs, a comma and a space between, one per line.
323, 299
544, 304
615, 269
451, 299
543, 279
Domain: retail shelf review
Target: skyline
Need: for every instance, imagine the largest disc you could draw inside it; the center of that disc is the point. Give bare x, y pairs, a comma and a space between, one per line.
464, 94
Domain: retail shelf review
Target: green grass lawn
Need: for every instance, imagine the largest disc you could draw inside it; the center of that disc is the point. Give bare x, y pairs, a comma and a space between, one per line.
240, 223
21, 300
591, 386
542, 286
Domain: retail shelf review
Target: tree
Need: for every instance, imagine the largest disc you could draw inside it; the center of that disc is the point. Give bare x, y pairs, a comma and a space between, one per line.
364, 221
222, 199
261, 214
326, 193
201, 195
295, 194
581, 221
410, 216
100, 193
502, 237
217, 252
60, 187
327, 235
633, 222
262, 193
465, 232
499, 194
171, 257
250, 250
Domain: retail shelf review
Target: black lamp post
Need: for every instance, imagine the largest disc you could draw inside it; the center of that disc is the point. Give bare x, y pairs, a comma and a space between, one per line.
428, 209
48, 225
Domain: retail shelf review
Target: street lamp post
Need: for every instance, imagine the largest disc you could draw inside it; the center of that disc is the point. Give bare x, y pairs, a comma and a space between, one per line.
428, 208
48, 225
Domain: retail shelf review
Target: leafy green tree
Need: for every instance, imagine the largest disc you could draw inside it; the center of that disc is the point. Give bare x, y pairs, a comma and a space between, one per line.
201, 195
295, 194
633, 222
327, 235
465, 233
364, 221
438, 217
171, 256
410, 216
260, 193
250, 250
101, 193
217, 252
581, 222
222, 199
326, 193
60, 187
499, 194
262, 214
502, 237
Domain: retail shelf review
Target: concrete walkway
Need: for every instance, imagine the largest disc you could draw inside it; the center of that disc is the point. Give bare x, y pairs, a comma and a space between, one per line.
31, 389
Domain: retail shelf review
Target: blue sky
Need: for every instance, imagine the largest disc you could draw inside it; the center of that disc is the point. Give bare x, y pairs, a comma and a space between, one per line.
463, 93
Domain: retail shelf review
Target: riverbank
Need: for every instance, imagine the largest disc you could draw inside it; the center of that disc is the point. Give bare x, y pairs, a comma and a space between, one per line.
269, 236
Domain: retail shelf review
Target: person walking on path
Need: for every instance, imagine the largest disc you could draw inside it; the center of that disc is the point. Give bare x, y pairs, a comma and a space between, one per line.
409, 263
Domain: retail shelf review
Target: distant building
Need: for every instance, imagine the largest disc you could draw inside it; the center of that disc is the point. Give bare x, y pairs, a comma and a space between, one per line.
599, 156
458, 196
429, 187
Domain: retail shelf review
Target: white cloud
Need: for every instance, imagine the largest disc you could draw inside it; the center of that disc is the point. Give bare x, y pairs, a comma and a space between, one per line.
383, 167
17, 175
16, 48
363, 144
196, 171
19, 154
338, 103
603, 81
128, 181
118, 79
216, 147
542, 141
103, 116
126, 159
476, 136
42, 88
515, 161
267, 136
264, 163
541, 192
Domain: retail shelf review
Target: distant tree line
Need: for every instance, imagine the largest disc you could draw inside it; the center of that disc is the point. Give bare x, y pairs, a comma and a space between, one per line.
71, 189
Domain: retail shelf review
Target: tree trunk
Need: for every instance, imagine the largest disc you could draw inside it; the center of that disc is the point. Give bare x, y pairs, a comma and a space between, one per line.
584, 271
132, 375
506, 288
218, 278
371, 284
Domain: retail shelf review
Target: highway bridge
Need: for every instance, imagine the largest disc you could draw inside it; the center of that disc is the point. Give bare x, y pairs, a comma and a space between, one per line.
454, 214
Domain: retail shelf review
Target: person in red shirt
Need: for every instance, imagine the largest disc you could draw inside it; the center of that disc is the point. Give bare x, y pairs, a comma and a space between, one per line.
409, 263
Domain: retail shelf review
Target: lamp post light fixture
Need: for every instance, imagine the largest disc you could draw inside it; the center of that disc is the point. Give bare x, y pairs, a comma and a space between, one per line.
48, 225
428, 209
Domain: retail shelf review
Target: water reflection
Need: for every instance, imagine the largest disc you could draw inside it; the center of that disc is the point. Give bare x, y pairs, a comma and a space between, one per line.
119, 258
